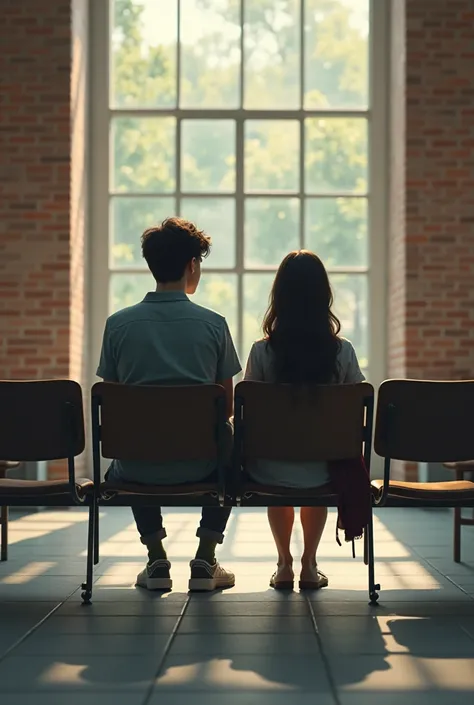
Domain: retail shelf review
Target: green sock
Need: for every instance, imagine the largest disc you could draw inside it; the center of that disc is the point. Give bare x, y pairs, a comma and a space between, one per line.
156, 551
207, 550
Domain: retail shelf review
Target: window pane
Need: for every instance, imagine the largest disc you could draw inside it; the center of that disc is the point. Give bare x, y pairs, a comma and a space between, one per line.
128, 289
210, 54
272, 155
143, 53
336, 54
351, 307
272, 54
219, 292
256, 295
208, 156
336, 155
271, 230
129, 217
336, 229
217, 217
144, 154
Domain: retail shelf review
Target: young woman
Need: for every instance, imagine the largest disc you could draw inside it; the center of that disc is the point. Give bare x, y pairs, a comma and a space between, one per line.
301, 346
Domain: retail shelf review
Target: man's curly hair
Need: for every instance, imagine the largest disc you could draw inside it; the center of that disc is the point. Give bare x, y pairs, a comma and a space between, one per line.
168, 248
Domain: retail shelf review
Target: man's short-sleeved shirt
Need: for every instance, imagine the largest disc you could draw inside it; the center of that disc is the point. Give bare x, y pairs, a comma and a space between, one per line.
166, 339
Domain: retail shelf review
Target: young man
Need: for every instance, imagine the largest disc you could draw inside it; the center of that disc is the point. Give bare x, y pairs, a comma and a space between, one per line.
167, 339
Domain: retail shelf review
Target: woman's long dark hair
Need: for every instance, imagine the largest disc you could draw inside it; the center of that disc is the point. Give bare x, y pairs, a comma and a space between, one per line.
299, 325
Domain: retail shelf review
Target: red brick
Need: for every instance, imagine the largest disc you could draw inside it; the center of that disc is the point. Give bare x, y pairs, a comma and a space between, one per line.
40, 144
431, 244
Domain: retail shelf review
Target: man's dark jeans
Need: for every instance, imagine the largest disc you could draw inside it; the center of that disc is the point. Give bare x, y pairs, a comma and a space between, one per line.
149, 522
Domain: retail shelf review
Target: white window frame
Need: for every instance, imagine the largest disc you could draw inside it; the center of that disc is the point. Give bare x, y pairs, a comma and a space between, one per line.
377, 118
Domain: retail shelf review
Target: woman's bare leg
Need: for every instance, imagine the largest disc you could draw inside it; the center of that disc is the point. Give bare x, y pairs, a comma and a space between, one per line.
281, 521
313, 521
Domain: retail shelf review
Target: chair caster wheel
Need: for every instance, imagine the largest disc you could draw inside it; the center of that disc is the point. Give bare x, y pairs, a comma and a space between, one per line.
86, 597
374, 596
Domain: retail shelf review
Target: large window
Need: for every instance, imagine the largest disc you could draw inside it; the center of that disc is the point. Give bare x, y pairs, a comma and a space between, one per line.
252, 118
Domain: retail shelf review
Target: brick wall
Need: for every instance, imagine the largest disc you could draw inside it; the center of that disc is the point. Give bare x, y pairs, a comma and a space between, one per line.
431, 238
396, 318
41, 222
397, 287
440, 189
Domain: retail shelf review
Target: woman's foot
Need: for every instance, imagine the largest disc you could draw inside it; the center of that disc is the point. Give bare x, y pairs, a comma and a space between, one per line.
311, 578
283, 578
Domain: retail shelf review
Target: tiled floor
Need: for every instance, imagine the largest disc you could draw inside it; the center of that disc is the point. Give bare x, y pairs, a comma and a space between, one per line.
246, 646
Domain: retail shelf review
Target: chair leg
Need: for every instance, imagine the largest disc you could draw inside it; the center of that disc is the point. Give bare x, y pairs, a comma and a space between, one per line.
96, 533
457, 535
4, 533
87, 586
373, 587
366, 548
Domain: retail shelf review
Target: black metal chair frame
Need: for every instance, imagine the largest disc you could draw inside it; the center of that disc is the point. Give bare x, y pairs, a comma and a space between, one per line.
460, 520
108, 498
298, 498
8, 465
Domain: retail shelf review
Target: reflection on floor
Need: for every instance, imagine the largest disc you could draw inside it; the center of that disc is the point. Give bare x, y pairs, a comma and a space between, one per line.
246, 646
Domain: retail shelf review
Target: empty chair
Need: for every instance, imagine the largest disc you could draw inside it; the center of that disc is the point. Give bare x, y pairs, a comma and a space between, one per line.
281, 423
42, 421
157, 424
422, 421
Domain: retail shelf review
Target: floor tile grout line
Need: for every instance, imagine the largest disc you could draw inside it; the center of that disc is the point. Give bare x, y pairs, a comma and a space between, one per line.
323, 653
33, 629
446, 577
166, 651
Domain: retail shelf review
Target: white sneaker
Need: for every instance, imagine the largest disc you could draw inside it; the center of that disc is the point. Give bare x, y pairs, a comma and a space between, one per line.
206, 577
156, 576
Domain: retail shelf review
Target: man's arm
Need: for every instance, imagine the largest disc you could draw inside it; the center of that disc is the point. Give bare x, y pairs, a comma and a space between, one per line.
228, 385
228, 366
107, 367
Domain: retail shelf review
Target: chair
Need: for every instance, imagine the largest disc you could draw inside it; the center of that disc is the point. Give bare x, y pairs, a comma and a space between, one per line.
422, 421
42, 420
460, 470
158, 424
281, 423
5, 466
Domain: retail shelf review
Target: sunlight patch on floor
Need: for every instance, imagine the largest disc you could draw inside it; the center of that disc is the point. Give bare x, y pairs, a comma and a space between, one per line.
28, 573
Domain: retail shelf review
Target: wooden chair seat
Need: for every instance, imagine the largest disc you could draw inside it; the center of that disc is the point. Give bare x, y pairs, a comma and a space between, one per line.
202, 494
27, 489
447, 494
278, 491
111, 490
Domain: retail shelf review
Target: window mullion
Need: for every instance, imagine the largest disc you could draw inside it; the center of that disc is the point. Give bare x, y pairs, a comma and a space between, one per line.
239, 229
239, 188
302, 127
178, 102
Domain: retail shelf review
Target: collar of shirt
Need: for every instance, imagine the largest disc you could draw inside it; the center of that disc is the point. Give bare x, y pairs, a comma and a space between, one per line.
159, 297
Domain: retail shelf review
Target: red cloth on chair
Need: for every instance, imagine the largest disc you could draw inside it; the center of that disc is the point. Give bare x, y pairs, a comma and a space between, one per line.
351, 483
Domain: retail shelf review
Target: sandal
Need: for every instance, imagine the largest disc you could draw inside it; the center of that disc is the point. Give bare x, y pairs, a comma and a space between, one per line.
318, 580
277, 584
